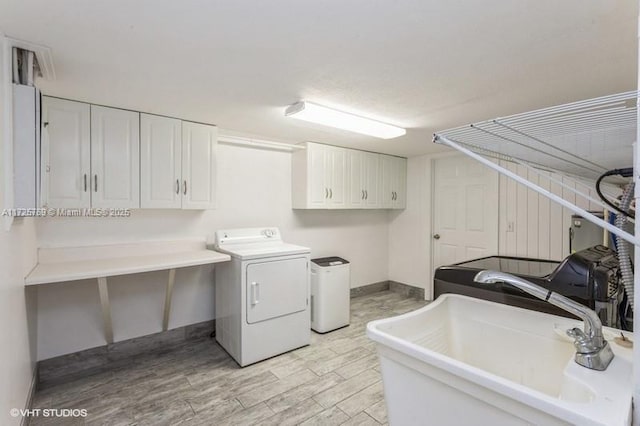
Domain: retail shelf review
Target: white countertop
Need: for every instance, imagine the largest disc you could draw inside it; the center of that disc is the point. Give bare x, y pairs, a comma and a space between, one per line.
58, 268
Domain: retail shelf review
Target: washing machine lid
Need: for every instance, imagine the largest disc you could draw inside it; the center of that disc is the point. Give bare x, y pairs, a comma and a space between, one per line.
252, 243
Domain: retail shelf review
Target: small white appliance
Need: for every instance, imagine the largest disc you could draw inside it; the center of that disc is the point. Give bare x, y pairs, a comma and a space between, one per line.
262, 294
330, 293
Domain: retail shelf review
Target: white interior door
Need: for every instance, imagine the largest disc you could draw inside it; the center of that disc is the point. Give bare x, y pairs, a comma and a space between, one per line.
160, 162
465, 206
199, 143
115, 157
65, 153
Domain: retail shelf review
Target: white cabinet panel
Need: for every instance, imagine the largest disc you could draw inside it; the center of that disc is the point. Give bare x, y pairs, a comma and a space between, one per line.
400, 201
26, 146
393, 184
386, 183
65, 153
318, 188
160, 162
336, 176
371, 180
356, 179
199, 142
363, 180
115, 157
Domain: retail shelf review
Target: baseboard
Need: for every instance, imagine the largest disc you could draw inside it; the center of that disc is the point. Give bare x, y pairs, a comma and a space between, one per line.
32, 391
396, 287
369, 289
407, 290
66, 368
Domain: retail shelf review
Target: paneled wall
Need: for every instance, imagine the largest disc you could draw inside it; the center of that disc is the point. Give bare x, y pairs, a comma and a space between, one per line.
531, 225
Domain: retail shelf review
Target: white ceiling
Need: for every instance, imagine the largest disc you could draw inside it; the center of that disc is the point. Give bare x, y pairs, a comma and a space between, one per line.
422, 64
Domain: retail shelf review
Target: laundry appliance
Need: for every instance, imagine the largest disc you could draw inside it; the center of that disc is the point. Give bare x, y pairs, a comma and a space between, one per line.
261, 295
590, 277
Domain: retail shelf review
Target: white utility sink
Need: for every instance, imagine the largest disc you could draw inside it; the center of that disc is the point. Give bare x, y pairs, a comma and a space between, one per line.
466, 361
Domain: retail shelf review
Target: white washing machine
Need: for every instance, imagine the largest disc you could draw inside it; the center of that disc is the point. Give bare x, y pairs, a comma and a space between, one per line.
262, 295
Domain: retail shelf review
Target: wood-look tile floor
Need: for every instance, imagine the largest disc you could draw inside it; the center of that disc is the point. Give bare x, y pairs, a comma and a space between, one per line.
334, 381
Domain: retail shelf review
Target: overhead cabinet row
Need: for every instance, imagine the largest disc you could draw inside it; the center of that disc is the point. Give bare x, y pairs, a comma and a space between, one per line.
329, 177
100, 157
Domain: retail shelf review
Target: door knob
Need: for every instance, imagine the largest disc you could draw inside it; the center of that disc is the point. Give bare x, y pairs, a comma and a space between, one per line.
436, 236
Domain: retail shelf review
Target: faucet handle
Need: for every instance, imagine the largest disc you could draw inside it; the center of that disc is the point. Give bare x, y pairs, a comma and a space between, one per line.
578, 335
584, 344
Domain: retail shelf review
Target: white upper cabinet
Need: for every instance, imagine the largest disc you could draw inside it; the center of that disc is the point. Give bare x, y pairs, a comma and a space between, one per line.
199, 142
371, 180
115, 158
400, 187
160, 162
363, 180
319, 177
393, 185
336, 176
328, 177
65, 154
316, 176
356, 167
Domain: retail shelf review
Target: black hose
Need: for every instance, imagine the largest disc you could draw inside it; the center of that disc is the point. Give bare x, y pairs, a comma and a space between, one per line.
627, 172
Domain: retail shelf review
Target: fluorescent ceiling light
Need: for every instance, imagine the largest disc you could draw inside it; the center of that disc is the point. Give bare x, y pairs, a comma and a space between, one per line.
314, 113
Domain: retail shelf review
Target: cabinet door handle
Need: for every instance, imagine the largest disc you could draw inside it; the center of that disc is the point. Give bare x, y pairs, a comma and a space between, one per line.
330, 193
95, 183
362, 198
326, 193
184, 187
177, 186
84, 178
366, 194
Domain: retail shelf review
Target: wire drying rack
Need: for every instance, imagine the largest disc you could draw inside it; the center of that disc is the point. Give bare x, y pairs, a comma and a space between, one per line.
580, 140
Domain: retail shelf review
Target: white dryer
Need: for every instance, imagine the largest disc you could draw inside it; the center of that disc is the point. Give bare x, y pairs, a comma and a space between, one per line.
262, 295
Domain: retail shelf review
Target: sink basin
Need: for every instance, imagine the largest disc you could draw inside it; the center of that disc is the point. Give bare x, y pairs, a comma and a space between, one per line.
465, 361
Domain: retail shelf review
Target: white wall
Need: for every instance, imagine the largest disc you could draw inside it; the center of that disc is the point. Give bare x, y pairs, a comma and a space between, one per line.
17, 258
254, 189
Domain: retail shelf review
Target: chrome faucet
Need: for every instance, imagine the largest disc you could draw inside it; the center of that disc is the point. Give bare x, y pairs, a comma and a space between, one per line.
592, 350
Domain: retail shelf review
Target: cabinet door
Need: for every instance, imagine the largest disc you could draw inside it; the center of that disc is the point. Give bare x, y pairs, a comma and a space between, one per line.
199, 143
65, 153
336, 176
355, 167
115, 158
400, 184
160, 162
372, 180
317, 187
387, 181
